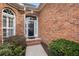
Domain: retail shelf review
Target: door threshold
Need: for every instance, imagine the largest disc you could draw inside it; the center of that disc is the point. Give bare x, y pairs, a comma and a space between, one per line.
31, 39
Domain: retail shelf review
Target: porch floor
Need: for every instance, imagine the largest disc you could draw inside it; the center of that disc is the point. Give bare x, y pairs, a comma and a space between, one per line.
35, 50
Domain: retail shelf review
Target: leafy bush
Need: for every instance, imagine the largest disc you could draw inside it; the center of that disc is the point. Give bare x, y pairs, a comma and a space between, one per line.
5, 49
6, 52
17, 40
19, 51
15, 45
11, 50
62, 47
6, 46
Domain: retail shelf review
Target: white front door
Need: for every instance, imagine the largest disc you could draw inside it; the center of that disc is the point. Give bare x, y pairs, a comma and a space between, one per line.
31, 27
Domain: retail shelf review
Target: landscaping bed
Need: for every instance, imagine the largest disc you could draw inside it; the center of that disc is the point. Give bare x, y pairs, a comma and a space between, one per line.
13, 46
63, 47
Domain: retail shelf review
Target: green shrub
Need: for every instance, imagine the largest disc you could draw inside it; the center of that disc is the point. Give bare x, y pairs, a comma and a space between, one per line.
16, 45
63, 47
19, 51
17, 40
6, 46
6, 52
8, 49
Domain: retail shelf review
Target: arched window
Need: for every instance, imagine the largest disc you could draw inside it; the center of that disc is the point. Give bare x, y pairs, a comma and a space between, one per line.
8, 23
8, 11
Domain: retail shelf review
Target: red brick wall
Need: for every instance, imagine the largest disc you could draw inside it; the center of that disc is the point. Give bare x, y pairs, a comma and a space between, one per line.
59, 21
19, 20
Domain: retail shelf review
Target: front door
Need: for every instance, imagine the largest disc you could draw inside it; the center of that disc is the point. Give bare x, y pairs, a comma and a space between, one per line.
31, 27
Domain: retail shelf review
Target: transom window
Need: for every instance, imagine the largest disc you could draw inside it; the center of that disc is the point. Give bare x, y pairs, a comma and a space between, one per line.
8, 11
8, 23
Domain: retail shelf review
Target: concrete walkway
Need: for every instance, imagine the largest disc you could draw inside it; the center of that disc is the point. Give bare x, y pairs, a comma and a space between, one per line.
35, 50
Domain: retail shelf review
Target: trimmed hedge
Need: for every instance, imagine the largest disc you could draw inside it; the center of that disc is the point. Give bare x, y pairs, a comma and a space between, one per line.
63, 47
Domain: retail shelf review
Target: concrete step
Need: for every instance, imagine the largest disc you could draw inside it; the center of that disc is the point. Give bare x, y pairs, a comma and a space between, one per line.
34, 41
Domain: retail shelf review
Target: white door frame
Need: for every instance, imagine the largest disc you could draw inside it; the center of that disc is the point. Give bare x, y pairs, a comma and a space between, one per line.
26, 22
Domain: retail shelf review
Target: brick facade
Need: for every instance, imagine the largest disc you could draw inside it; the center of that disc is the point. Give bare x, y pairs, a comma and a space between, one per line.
19, 20
59, 21
55, 21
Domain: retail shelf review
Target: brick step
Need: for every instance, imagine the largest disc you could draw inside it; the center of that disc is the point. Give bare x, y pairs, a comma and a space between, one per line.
35, 41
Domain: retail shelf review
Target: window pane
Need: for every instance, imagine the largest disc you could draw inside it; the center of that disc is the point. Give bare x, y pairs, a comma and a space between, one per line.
10, 33
4, 32
4, 21
10, 22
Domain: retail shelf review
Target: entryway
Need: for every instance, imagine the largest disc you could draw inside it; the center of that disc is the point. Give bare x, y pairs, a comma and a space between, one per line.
31, 30
31, 27
34, 47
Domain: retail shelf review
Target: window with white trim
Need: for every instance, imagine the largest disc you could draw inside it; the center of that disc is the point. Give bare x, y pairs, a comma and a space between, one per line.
8, 23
